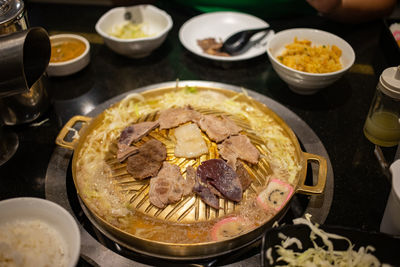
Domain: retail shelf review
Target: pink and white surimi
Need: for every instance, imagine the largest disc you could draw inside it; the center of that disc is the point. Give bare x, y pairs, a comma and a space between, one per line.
275, 195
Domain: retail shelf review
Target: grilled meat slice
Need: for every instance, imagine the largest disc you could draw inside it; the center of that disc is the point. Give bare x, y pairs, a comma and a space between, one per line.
212, 46
167, 187
218, 128
205, 194
189, 181
125, 151
125, 138
189, 141
220, 175
148, 160
132, 134
238, 147
244, 176
174, 117
135, 132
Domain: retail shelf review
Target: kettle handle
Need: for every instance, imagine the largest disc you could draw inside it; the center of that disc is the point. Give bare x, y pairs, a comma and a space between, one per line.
61, 139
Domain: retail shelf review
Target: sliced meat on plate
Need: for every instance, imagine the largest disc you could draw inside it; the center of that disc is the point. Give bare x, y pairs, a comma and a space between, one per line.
189, 141
132, 134
212, 46
221, 176
218, 128
174, 117
238, 147
148, 160
167, 187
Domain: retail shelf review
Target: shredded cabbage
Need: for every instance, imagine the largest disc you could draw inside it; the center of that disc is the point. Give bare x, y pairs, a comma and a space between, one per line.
321, 256
129, 30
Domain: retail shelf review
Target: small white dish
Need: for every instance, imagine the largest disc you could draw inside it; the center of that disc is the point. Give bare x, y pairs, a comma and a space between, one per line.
73, 65
156, 23
306, 83
220, 25
46, 217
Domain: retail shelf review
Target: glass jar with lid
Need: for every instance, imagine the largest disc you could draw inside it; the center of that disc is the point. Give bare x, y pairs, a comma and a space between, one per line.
382, 126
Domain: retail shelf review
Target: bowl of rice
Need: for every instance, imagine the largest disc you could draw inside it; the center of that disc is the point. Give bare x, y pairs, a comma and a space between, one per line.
37, 232
309, 59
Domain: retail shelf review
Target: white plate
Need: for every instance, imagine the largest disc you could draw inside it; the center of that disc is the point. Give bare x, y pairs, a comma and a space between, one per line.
220, 25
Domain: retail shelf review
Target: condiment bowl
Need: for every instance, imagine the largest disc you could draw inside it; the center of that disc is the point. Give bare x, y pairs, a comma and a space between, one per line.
303, 82
39, 231
70, 54
154, 22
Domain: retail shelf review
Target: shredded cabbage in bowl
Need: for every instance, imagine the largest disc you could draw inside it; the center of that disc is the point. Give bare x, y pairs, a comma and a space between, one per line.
321, 256
129, 30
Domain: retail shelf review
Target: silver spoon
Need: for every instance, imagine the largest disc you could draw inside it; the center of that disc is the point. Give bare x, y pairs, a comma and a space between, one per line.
234, 44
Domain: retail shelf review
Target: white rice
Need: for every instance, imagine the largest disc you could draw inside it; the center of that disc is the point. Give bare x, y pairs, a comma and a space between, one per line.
31, 242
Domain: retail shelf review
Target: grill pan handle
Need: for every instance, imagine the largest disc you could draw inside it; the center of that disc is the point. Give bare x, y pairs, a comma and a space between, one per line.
69, 127
318, 188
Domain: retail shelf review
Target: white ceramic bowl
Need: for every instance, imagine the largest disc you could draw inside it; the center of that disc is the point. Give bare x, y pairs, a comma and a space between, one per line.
73, 65
51, 216
303, 82
155, 21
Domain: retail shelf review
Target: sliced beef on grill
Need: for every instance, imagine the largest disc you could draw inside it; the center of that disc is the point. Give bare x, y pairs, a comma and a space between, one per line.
167, 187
174, 117
214, 190
218, 128
125, 138
135, 132
148, 160
158, 188
244, 176
205, 194
189, 181
132, 134
220, 175
238, 147
191, 175
125, 151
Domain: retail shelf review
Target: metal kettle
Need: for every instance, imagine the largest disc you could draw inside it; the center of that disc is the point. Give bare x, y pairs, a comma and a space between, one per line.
13, 17
24, 57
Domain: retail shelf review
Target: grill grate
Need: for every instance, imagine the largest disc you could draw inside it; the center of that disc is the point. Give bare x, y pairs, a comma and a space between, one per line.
190, 208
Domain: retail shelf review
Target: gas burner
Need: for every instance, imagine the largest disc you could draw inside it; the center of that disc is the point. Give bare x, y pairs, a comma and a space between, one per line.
100, 248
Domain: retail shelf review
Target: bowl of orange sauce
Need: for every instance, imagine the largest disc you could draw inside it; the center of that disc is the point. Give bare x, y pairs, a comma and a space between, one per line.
69, 54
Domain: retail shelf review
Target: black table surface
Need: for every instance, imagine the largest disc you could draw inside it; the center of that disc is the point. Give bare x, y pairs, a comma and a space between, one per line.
336, 114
